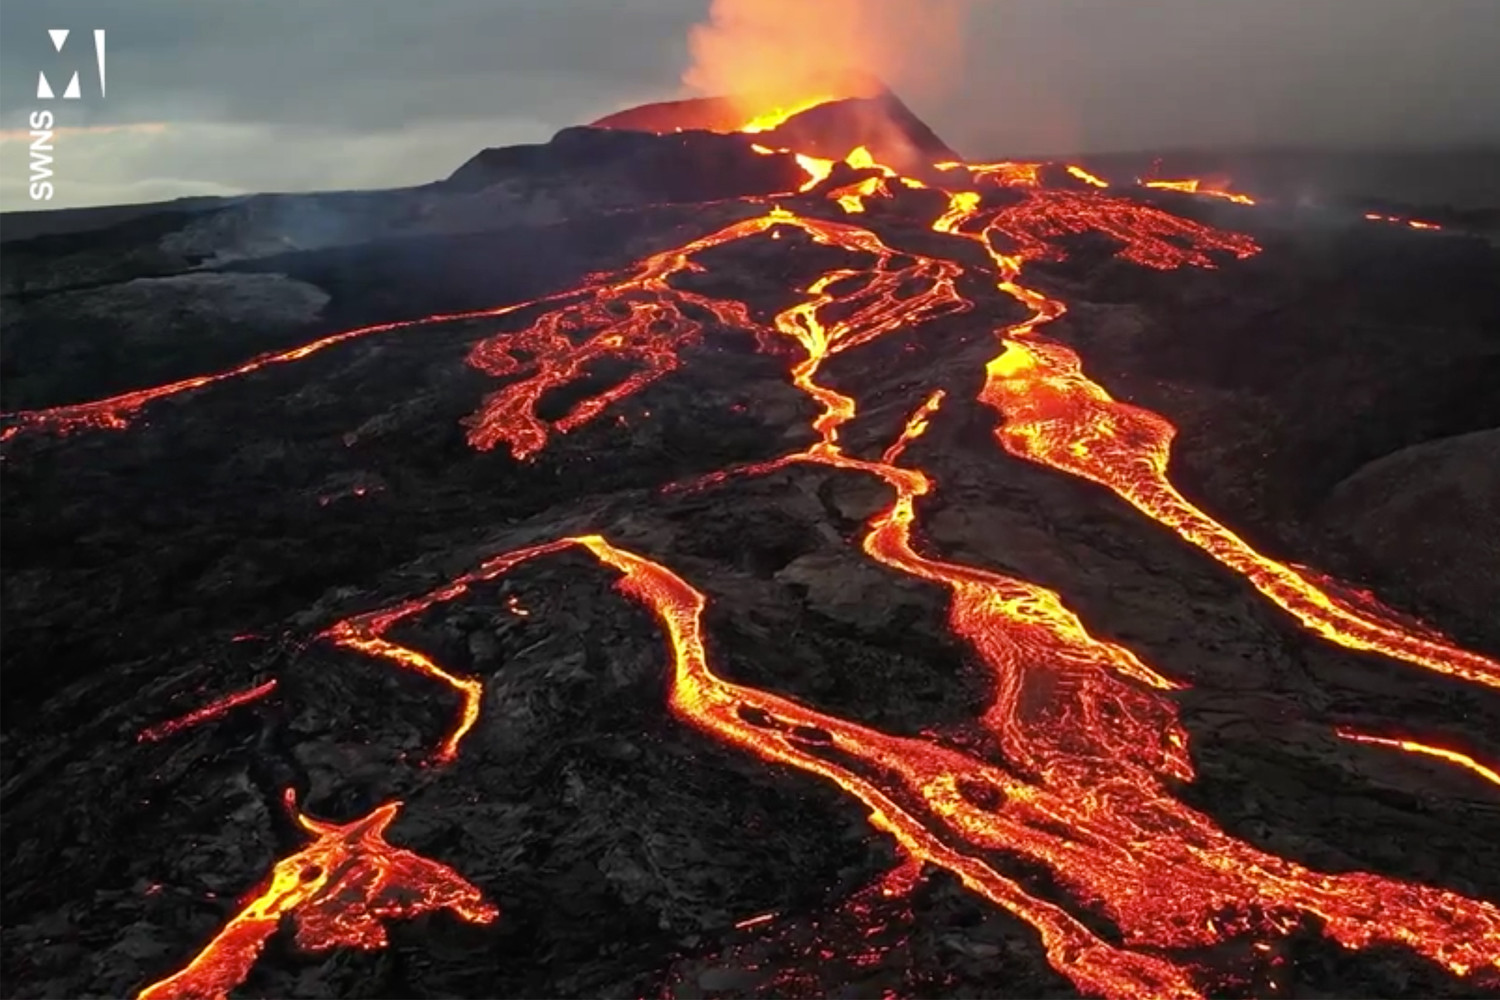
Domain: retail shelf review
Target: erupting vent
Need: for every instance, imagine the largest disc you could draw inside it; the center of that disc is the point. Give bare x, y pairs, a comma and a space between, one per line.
828, 128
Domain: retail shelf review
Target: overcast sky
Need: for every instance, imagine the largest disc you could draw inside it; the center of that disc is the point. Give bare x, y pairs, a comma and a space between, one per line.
228, 96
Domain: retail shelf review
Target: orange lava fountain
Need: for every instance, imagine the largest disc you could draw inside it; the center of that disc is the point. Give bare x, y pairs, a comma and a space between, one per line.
339, 889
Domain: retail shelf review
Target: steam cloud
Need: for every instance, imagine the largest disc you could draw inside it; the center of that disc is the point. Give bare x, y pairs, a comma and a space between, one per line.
780, 51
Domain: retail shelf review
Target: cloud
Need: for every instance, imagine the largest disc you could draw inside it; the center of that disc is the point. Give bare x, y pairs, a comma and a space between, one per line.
122, 165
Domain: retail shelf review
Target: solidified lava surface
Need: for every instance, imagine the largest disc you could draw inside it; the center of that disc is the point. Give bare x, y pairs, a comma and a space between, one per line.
830, 579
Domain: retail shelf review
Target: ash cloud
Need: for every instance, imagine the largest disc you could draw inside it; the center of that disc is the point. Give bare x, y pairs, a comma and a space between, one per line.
783, 50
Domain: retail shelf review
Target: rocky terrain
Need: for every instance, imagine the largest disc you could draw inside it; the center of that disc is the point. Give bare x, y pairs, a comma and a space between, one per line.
1333, 401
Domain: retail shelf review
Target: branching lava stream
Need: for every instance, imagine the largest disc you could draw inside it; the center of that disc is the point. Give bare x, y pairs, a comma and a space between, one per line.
338, 889
1054, 415
1084, 747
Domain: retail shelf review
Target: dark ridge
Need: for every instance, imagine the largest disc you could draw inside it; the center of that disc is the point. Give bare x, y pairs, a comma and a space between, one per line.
693, 166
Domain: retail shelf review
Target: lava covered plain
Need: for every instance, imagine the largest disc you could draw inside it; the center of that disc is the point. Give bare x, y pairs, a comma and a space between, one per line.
1333, 399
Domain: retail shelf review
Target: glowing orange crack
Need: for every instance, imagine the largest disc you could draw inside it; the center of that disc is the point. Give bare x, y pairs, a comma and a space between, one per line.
365, 634
339, 890
1463, 760
212, 710
116, 412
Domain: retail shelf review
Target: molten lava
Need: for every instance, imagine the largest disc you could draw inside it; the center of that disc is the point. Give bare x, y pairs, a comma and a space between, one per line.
213, 710
1398, 221
1194, 185
1086, 177
765, 121
1054, 415
116, 412
1463, 760
1082, 753
1088, 743
340, 890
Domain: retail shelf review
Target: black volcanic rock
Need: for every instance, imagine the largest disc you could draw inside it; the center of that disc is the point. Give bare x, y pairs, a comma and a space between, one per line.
1426, 515
692, 166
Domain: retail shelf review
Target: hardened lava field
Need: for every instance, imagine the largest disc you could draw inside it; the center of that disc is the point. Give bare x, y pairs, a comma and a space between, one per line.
868, 577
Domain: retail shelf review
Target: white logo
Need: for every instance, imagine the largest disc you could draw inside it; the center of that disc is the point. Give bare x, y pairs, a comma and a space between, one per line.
73, 91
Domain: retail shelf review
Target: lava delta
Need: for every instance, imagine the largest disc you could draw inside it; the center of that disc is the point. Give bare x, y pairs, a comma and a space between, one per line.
733, 551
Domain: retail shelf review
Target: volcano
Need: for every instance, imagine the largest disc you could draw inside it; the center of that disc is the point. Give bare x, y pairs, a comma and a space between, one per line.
877, 121
725, 555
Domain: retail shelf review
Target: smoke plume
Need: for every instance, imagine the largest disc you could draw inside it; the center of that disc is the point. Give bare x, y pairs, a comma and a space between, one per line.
779, 52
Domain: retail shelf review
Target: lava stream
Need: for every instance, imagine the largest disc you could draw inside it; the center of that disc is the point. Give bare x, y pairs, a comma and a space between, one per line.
366, 634
1398, 221
644, 318
1194, 185
1054, 415
1083, 720
1089, 739
1084, 743
212, 710
1463, 760
339, 889
116, 412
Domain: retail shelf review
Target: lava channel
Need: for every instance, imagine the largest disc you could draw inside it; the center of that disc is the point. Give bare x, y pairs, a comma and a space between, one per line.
116, 412
1087, 748
213, 710
340, 889
1054, 415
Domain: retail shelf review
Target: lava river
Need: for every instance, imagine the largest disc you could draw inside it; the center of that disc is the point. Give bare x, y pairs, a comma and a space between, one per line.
1081, 748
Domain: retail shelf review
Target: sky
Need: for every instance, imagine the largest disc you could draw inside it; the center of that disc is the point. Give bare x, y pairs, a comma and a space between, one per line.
233, 96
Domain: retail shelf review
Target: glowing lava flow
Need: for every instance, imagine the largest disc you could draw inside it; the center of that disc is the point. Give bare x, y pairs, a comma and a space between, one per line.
213, 710
1412, 746
1086, 177
1080, 748
642, 318
1054, 415
1087, 739
1194, 185
1082, 719
339, 890
1083, 741
768, 120
366, 634
116, 412
1398, 221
